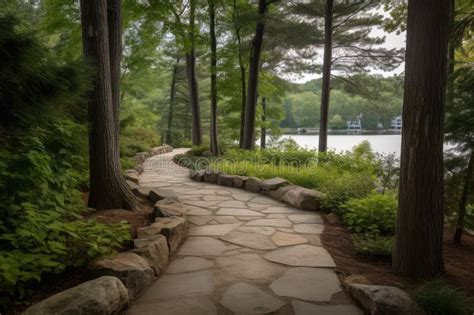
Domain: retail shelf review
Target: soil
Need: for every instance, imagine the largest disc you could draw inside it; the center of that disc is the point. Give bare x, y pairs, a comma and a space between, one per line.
458, 258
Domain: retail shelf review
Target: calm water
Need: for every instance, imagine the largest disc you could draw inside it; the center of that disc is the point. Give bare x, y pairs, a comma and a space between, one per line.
380, 143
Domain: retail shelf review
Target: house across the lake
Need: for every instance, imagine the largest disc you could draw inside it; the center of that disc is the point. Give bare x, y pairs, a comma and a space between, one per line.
355, 125
396, 123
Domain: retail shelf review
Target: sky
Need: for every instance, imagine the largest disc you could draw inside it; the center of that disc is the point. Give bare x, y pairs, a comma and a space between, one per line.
392, 40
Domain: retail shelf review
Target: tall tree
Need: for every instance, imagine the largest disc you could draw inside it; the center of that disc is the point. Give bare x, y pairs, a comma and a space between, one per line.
114, 24
174, 75
263, 132
349, 47
242, 68
192, 80
325, 89
419, 234
212, 35
248, 142
108, 189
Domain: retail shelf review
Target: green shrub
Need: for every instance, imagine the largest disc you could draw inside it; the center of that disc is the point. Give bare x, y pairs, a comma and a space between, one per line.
438, 298
135, 139
374, 214
41, 228
378, 246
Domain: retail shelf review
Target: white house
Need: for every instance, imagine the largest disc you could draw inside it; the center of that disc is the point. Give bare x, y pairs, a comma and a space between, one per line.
396, 123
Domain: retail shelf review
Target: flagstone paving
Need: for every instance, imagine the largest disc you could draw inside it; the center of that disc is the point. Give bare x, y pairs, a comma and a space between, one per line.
245, 254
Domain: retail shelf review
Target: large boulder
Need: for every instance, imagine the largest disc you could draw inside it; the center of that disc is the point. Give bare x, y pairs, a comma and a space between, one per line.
155, 250
355, 279
239, 181
134, 271
383, 300
157, 194
280, 192
303, 198
197, 175
103, 296
173, 228
225, 180
168, 208
210, 176
253, 184
131, 175
141, 191
272, 184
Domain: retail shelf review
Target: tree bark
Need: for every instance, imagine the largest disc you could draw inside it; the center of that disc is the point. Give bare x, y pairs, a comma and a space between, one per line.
252, 87
192, 80
326, 88
451, 52
419, 233
263, 136
243, 85
172, 98
114, 24
463, 202
108, 189
212, 34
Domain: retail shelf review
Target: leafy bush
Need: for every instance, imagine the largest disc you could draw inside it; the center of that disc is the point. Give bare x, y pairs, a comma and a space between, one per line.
374, 214
43, 165
41, 228
379, 246
437, 297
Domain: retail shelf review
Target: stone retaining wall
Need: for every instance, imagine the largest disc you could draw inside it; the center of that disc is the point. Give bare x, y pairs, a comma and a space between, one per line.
123, 277
278, 188
139, 158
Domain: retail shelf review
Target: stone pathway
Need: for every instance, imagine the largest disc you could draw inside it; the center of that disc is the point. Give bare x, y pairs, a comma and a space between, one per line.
245, 254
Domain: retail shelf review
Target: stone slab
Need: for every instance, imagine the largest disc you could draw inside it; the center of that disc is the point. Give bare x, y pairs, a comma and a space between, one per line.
309, 284
286, 239
249, 266
188, 264
212, 230
239, 212
302, 255
242, 298
251, 240
202, 246
270, 222
305, 308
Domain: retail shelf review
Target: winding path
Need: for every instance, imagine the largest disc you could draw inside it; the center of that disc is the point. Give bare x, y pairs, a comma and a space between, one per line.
245, 254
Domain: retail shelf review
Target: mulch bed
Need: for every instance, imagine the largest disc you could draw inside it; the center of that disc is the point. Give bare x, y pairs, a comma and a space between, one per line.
459, 260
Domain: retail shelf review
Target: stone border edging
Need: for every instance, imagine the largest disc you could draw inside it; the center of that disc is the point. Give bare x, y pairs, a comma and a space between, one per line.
140, 157
277, 188
124, 277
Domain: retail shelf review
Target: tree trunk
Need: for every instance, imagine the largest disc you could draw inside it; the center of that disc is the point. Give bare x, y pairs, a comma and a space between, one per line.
252, 87
451, 51
212, 33
172, 98
243, 85
108, 189
419, 234
263, 136
114, 23
463, 202
192, 81
326, 88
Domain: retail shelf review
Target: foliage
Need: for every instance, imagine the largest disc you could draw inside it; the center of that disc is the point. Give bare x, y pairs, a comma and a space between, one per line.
373, 215
340, 176
43, 166
41, 228
379, 99
375, 245
437, 297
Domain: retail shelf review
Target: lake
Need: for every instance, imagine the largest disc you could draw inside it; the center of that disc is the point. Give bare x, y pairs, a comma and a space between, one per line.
380, 143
